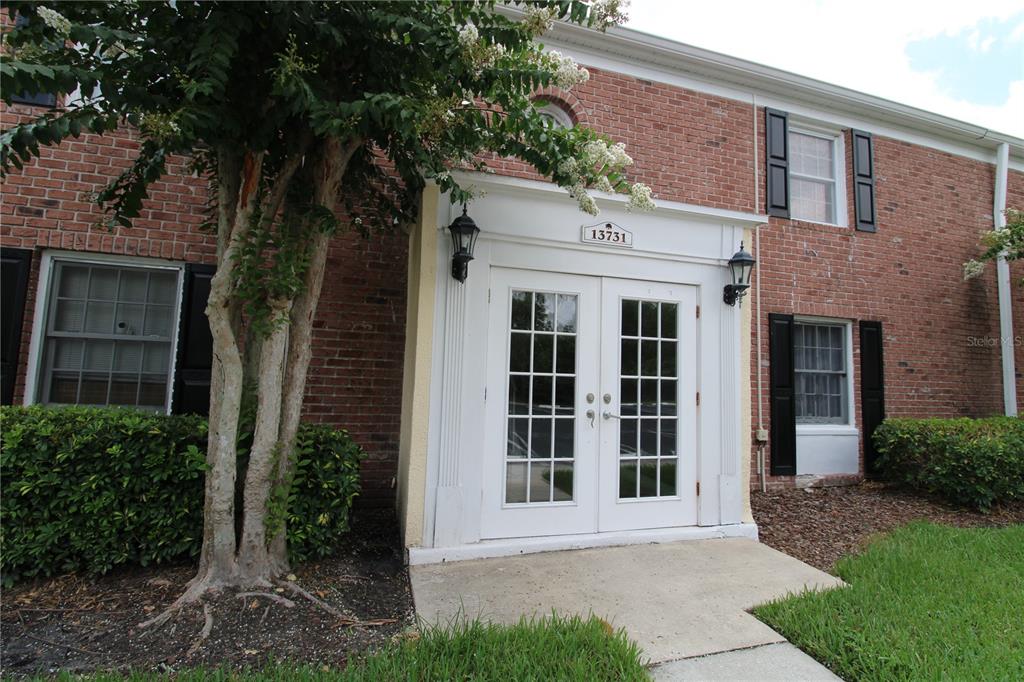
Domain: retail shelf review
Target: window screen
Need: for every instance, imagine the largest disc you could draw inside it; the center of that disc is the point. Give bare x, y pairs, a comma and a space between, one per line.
819, 357
109, 335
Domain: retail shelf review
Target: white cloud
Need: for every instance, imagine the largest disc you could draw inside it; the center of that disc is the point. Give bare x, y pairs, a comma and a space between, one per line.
861, 48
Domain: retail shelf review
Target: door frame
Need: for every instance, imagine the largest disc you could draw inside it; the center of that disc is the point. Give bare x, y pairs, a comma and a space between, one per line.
532, 226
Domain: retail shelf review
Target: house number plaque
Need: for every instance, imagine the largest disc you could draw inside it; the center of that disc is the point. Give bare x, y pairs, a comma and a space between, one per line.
607, 234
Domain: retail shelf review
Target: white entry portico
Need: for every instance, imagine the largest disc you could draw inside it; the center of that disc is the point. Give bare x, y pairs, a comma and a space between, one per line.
585, 381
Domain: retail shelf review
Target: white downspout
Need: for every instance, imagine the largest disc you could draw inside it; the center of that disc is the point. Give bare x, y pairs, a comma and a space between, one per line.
761, 433
1003, 284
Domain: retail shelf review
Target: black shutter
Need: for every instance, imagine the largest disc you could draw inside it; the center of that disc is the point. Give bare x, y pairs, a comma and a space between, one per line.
195, 345
15, 265
872, 389
864, 181
40, 99
783, 395
776, 142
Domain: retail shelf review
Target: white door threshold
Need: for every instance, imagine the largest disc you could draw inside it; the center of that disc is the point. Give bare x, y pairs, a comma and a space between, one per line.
487, 549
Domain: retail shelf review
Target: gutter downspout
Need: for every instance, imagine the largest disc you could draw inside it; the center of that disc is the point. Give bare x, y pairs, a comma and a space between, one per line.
1003, 286
762, 437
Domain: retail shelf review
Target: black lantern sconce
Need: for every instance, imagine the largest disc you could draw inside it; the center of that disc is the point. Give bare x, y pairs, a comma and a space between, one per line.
741, 265
464, 232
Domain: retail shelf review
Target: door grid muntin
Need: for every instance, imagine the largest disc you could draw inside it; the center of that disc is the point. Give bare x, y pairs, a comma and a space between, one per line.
540, 407
648, 399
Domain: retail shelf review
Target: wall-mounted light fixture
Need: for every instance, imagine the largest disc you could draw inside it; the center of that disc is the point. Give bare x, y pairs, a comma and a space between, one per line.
741, 265
464, 232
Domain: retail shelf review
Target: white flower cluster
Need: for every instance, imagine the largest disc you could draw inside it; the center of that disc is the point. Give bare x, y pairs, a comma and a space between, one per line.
608, 13
468, 36
640, 198
586, 202
598, 154
972, 269
567, 74
55, 20
538, 20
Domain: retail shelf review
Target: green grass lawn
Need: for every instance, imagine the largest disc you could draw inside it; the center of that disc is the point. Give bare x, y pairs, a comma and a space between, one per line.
554, 648
926, 602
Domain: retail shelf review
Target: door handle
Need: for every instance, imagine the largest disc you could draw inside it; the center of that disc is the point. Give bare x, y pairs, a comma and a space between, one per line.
608, 415
590, 415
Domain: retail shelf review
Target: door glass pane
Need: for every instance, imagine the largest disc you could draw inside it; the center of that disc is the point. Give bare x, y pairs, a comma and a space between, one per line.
566, 315
515, 483
541, 409
519, 356
648, 428
562, 479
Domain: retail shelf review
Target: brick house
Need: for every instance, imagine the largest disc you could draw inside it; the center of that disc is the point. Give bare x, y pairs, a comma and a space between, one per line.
586, 384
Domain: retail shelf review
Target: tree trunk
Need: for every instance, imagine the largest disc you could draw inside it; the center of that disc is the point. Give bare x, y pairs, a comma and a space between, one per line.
327, 185
220, 568
253, 558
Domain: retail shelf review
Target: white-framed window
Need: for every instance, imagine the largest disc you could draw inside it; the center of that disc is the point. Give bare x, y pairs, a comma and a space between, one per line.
554, 116
821, 362
817, 182
105, 331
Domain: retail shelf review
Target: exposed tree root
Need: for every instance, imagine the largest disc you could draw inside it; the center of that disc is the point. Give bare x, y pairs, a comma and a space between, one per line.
284, 601
344, 619
207, 627
194, 592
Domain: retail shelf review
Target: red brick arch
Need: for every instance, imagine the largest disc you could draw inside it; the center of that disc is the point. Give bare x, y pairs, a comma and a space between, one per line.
567, 101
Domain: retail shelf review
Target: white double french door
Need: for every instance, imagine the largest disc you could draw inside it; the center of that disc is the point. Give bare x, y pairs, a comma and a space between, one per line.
591, 405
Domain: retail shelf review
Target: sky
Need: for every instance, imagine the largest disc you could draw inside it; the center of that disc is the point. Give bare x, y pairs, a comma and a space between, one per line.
963, 59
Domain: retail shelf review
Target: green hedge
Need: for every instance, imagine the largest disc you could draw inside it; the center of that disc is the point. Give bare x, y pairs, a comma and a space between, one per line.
93, 488
974, 462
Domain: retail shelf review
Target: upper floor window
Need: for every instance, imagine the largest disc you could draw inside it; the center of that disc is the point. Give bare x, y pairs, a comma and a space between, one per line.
812, 172
109, 334
554, 116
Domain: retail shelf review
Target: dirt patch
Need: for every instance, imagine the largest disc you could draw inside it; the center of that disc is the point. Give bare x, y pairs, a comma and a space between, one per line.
820, 525
80, 623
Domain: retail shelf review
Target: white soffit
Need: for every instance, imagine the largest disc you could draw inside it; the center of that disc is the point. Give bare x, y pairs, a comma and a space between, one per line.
649, 57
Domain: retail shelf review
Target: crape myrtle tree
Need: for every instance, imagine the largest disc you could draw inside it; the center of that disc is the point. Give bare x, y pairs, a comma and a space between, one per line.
1005, 242
307, 118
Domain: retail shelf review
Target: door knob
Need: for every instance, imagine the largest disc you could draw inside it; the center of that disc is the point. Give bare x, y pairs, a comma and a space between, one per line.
608, 415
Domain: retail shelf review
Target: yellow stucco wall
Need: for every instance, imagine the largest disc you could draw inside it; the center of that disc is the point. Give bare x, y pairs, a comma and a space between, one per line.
412, 449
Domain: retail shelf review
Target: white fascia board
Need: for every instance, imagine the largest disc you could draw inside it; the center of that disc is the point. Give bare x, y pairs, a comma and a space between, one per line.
652, 58
511, 185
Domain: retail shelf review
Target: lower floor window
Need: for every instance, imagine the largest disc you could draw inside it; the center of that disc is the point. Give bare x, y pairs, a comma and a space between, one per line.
819, 359
109, 334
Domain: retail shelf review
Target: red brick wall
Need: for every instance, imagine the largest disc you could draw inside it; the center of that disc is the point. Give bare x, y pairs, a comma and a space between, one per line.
689, 147
932, 207
356, 377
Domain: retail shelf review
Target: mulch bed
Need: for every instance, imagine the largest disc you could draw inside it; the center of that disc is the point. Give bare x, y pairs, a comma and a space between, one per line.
820, 525
80, 623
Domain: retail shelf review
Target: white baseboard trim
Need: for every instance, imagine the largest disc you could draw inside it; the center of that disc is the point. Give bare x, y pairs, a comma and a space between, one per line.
487, 549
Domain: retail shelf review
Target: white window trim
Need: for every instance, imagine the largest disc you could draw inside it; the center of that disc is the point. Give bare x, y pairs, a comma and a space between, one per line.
46, 269
556, 112
841, 429
838, 140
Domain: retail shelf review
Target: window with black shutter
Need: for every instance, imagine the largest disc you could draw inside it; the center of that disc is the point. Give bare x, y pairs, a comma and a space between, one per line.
195, 344
15, 265
782, 382
864, 181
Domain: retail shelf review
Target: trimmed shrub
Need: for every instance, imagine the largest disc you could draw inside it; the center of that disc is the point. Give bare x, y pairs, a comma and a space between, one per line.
974, 462
87, 489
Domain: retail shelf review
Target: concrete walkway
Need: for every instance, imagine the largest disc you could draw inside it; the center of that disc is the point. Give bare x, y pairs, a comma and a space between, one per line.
768, 663
676, 600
